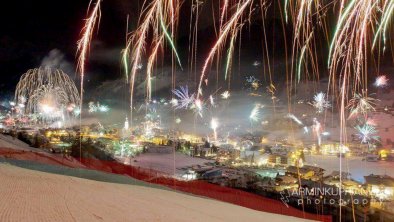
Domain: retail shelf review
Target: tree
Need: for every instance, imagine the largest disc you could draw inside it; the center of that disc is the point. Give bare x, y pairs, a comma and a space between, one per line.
302, 156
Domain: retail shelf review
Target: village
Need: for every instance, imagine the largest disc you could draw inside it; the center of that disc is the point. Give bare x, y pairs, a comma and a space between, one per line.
278, 170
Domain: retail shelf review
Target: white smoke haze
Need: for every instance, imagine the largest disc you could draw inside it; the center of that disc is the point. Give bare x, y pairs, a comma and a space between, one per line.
56, 59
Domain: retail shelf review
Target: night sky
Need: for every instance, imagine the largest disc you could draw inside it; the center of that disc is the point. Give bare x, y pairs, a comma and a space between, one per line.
34, 31
43, 32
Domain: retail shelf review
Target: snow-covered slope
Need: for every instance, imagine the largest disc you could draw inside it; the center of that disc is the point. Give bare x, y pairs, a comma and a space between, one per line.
10, 142
28, 195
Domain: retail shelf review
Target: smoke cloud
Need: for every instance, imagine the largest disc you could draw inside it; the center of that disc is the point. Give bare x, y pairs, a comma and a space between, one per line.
56, 59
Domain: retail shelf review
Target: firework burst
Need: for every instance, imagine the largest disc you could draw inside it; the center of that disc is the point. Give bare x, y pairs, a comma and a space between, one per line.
184, 98
381, 81
198, 107
255, 114
46, 90
214, 126
360, 104
93, 108
225, 95
367, 133
320, 102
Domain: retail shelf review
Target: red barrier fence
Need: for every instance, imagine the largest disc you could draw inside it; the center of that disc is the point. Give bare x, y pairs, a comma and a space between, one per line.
205, 189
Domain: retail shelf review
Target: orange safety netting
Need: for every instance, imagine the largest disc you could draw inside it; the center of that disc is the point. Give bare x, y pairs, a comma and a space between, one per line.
197, 187
205, 189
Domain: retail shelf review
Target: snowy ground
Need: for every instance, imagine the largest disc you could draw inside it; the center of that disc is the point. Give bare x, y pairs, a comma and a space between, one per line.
28, 195
165, 162
19, 150
10, 142
353, 165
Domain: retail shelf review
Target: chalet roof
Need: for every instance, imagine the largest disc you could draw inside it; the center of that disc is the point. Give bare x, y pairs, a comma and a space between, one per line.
336, 173
294, 170
304, 169
313, 168
379, 180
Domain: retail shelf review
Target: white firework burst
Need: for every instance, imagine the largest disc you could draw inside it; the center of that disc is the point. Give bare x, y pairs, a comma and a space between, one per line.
367, 133
198, 107
255, 114
381, 81
320, 102
360, 104
225, 95
184, 99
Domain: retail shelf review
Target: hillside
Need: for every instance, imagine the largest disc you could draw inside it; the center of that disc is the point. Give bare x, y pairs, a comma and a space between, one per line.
38, 196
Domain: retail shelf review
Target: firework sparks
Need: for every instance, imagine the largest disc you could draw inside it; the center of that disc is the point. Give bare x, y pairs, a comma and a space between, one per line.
295, 119
381, 81
360, 104
178, 120
214, 126
349, 52
388, 9
225, 95
255, 114
228, 28
320, 102
212, 101
367, 133
103, 108
93, 108
184, 99
174, 102
371, 121
160, 16
151, 61
308, 17
198, 107
168, 36
47, 91
84, 43
253, 82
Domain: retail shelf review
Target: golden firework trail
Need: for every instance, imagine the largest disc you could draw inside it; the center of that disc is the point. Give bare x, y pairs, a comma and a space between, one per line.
223, 12
125, 53
227, 29
309, 17
84, 43
137, 39
230, 53
158, 18
169, 38
82, 51
149, 68
125, 61
388, 9
349, 53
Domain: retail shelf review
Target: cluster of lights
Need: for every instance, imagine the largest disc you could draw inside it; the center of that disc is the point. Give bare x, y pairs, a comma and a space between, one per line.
93, 108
